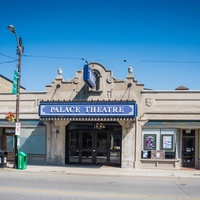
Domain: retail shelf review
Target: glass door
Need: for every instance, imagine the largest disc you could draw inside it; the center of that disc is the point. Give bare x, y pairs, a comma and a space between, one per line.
188, 151
93, 146
8, 142
74, 150
115, 149
87, 147
102, 148
82, 147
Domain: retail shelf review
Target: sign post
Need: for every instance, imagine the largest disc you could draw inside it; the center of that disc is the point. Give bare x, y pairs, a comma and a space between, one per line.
17, 133
17, 128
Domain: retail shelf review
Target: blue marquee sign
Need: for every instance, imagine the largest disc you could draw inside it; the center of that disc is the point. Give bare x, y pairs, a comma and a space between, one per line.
89, 76
88, 109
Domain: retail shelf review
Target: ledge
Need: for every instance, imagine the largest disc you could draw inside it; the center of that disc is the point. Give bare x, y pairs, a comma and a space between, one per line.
162, 163
159, 160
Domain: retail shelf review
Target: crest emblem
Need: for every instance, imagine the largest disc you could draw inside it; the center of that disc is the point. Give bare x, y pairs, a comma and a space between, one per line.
149, 102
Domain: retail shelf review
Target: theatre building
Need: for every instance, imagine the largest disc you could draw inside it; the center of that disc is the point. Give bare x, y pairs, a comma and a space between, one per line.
96, 119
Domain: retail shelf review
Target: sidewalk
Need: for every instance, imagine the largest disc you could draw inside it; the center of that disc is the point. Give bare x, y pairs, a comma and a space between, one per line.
109, 171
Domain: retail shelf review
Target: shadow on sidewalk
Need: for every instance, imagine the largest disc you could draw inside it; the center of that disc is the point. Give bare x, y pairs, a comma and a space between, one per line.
75, 166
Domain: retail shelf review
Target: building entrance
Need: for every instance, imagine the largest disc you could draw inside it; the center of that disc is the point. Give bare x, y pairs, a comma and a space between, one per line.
94, 143
8, 142
188, 148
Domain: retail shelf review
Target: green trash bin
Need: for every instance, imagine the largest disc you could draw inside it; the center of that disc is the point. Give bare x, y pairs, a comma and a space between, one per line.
21, 160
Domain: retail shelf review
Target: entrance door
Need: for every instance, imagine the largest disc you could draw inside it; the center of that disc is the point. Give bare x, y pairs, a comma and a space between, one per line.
188, 152
82, 147
87, 149
94, 147
8, 143
102, 148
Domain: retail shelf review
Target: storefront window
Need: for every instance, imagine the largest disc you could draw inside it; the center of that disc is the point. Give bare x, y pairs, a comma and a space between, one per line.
158, 143
33, 140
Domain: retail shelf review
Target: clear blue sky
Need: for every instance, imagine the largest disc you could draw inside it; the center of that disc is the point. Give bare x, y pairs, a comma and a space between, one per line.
159, 38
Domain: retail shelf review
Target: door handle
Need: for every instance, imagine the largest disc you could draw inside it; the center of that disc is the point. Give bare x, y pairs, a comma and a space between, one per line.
94, 150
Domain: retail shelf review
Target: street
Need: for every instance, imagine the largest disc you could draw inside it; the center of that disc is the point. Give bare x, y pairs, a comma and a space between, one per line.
20, 185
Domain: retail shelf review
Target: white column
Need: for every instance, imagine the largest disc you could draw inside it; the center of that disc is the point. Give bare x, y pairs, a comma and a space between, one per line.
128, 140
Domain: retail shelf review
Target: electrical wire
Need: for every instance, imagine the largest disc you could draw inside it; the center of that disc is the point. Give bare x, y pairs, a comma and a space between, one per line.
68, 58
53, 57
11, 61
110, 60
170, 61
8, 61
7, 56
142, 61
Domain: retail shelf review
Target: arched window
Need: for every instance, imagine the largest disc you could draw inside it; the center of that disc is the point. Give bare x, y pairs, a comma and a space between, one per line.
98, 82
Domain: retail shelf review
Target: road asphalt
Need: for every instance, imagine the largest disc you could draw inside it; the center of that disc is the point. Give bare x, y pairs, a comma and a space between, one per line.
108, 171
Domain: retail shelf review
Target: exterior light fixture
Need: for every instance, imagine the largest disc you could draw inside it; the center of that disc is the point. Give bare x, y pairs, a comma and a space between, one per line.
99, 125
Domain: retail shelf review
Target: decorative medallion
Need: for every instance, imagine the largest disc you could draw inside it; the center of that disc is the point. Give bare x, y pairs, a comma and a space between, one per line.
76, 80
110, 80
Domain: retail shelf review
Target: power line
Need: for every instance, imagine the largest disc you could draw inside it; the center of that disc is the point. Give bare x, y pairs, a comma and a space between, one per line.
8, 61
170, 61
53, 57
108, 60
147, 61
70, 58
5, 62
7, 56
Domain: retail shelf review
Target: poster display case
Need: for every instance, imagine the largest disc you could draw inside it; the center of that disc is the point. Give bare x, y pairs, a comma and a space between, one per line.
166, 142
149, 141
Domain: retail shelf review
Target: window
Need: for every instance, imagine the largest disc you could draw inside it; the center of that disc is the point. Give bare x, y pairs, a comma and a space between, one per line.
98, 87
159, 140
97, 81
33, 140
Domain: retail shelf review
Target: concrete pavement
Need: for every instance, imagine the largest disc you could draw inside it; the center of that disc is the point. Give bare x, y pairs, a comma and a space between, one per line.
108, 171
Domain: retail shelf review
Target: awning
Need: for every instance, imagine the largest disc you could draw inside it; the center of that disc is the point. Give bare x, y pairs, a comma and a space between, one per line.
86, 119
24, 123
173, 123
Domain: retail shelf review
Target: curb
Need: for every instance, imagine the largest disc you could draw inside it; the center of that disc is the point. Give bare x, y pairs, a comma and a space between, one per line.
104, 171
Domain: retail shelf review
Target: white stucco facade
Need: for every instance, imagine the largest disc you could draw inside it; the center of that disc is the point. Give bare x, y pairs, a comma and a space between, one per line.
161, 115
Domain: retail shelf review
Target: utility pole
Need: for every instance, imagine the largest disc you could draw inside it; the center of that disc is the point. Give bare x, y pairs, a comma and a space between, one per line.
17, 125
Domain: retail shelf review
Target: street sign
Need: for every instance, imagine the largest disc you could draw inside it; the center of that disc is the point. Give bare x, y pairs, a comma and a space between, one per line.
15, 80
17, 128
